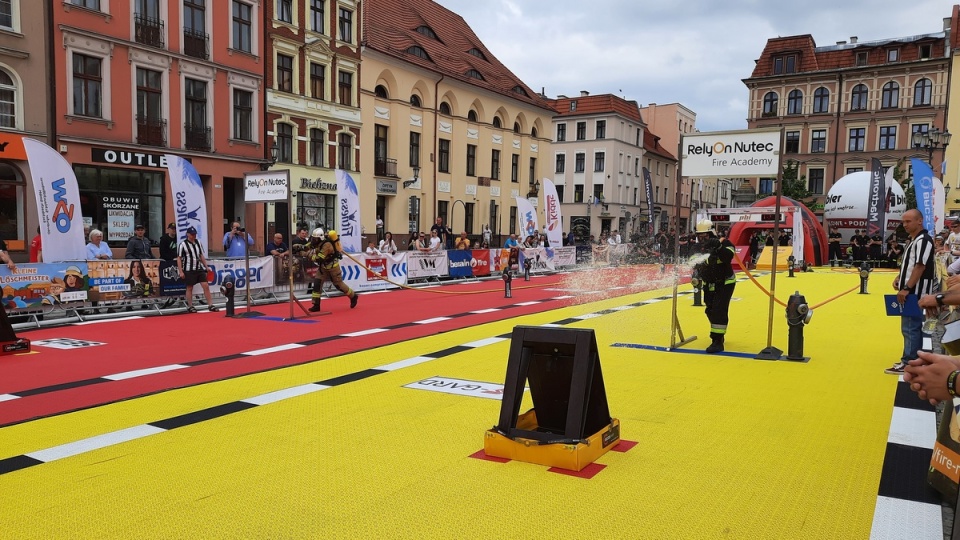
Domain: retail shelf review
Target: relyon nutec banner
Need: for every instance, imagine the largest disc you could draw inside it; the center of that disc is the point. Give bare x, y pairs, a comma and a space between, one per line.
551, 209
753, 152
348, 206
527, 217
58, 203
265, 186
189, 206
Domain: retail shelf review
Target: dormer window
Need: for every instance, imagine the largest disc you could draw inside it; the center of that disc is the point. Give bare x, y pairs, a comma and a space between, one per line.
926, 51
783, 64
519, 90
861, 59
893, 55
474, 74
419, 52
573, 106
427, 31
478, 53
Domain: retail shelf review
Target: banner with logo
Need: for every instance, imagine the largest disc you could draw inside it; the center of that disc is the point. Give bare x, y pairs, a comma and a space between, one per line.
480, 262
379, 268
260, 275
348, 206
424, 264
458, 263
170, 282
927, 189
123, 279
876, 198
31, 286
58, 203
648, 190
565, 256
189, 205
527, 216
753, 152
541, 259
552, 215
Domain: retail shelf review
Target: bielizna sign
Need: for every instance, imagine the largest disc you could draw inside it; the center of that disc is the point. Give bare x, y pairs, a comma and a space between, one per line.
731, 153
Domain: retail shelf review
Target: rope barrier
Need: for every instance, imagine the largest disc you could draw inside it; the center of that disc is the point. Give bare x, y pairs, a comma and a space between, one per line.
777, 300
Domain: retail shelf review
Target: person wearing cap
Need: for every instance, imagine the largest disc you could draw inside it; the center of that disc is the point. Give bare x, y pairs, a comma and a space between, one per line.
138, 247
192, 265
168, 243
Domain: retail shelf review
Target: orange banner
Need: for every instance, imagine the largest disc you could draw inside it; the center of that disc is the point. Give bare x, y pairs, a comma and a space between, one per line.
946, 461
11, 146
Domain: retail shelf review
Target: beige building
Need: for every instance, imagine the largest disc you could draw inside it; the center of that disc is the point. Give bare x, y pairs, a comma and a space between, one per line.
448, 131
952, 155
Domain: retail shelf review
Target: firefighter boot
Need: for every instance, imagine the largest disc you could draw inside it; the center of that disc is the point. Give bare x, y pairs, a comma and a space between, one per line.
316, 305
716, 344
353, 301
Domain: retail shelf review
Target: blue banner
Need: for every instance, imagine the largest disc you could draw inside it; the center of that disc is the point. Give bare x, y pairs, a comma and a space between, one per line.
924, 192
460, 266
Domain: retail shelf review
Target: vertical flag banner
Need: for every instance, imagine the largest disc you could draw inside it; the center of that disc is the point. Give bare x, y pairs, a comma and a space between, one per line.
527, 216
700, 200
189, 204
648, 189
348, 205
876, 195
923, 189
58, 203
551, 208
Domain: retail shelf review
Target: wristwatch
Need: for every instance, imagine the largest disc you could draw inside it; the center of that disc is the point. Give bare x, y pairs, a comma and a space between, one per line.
939, 298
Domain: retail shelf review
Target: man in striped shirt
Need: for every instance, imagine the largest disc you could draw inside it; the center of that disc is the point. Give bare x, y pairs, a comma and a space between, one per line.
193, 269
917, 278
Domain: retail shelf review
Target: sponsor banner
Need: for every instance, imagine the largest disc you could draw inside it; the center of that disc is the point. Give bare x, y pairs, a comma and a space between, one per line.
123, 279
925, 189
850, 223
348, 206
189, 204
527, 216
58, 203
480, 262
260, 276
119, 225
601, 254
170, 282
459, 387
648, 190
731, 153
541, 259
266, 186
584, 254
379, 269
565, 256
552, 215
876, 199
501, 259
458, 263
426, 264
33, 285
376, 267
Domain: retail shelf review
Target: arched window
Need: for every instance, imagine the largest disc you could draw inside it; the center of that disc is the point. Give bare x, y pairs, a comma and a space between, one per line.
381, 91
533, 132
890, 97
497, 123
770, 104
415, 101
922, 92
477, 52
8, 100
821, 100
427, 31
795, 102
519, 90
445, 108
419, 52
858, 98
474, 74
472, 116
516, 127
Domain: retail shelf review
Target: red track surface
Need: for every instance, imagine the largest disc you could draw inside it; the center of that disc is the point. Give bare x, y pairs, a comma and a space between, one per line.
158, 341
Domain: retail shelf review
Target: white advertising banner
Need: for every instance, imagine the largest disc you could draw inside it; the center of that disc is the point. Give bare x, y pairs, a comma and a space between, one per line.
260, 276
527, 216
348, 206
752, 152
551, 209
541, 259
426, 264
120, 225
375, 272
189, 204
565, 256
266, 186
58, 203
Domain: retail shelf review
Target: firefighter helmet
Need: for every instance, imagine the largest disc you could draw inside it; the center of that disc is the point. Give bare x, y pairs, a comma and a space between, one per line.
317, 233
333, 236
704, 226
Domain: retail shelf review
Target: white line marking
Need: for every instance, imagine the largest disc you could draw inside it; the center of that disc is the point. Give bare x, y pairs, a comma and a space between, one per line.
900, 518
141, 372
913, 428
365, 332
94, 443
552, 325
485, 342
406, 363
433, 320
622, 308
482, 311
528, 303
8, 397
278, 348
130, 318
587, 316
564, 297
279, 395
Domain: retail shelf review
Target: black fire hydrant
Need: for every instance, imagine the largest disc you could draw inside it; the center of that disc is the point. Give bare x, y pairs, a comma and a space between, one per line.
526, 269
228, 289
864, 277
507, 279
791, 263
697, 283
798, 315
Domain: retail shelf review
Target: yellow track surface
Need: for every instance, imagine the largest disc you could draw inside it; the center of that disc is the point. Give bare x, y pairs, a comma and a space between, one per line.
727, 447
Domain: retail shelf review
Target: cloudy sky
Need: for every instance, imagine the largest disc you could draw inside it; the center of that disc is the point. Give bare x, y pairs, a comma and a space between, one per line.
694, 52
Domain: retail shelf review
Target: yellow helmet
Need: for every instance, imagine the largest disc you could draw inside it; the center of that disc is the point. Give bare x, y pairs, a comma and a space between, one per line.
333, 236
704, 226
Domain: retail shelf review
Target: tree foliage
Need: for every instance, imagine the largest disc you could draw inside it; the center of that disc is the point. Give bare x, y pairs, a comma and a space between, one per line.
796, 187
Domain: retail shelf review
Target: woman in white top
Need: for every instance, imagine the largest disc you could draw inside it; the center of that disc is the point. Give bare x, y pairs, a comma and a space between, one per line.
387, 245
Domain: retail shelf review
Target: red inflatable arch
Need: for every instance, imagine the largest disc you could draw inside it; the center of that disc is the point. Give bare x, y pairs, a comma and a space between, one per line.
815, 238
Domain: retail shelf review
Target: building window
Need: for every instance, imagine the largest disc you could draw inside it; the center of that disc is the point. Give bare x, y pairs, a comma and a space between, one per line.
598, 192
918, 128
497, 123
559, 194
99, 185
598, 159
346, 25
195, 28
890, 97
468, 209
516, 127
888, 137
442, 207
533, 170
601, 129
893, 55
785, 64
8, 101
285, 10
380, 137
471, 160
561, 132
770, 104
818, 141
445, 108
792, 145
795, 102
242, 24
443, 163
196, 130
414, 149
857, 139
284, 73
495, 165
581, 131
318, 80
579, 162
513, 220
89, 4
861, 59
578, 193
87, 86
151, 127
316, 15
925, 51
766, 186
851, 170
515, 168
815, 181
285, 143
242, 115
345, 151
858, 98
533, 132
922, 92
318, 146
380, 91
415, 101
561, 163
346, 87
821, 100
6, 14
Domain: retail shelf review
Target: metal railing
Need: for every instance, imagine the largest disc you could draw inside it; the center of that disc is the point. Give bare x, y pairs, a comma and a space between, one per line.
148, 30
197, 137
385, 167
195, 44
151, 131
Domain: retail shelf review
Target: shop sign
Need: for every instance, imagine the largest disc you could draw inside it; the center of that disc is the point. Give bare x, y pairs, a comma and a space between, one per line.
317, 185
110, 202
119, 225
128, 157
388, 187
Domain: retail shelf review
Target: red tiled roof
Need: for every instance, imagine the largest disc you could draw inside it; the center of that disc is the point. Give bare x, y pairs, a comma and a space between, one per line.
390, 27
599, 104
651, 144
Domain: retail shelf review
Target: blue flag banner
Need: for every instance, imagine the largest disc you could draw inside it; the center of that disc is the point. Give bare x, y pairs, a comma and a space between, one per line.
923, 188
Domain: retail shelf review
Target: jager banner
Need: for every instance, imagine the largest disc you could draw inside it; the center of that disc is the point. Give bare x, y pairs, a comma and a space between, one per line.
424, 264
553, 219
189, 204
58, 203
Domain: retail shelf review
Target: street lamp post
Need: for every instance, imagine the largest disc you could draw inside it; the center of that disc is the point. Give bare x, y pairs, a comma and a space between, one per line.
931, 140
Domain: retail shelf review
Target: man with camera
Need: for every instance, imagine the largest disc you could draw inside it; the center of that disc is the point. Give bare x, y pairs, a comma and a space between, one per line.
233, 241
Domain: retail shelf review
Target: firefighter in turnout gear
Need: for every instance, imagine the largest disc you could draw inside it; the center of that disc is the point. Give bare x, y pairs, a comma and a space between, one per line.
718, 281
325, 252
